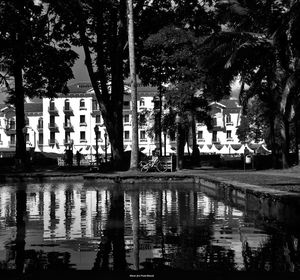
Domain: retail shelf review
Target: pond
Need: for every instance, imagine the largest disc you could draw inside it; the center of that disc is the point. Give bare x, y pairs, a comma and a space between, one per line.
137, 227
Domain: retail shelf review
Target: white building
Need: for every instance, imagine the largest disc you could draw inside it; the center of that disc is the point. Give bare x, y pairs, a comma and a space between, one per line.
54, 125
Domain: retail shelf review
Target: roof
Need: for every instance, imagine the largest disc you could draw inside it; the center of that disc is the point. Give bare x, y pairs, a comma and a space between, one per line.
33, 107
230, 103
84, 89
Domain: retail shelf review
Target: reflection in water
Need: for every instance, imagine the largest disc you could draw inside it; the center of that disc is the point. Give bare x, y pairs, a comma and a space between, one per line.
118, 228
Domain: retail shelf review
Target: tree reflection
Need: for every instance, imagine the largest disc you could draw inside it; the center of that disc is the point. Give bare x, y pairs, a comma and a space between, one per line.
21, 198
279, 254
113, 236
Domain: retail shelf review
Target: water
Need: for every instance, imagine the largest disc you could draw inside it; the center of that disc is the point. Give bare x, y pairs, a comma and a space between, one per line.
136, 227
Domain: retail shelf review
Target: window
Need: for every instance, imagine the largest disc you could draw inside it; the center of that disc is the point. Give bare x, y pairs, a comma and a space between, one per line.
52, 120
41, 138
142, 102
82, 104
98, 118
11, 124
52, 105
228, 134
13, 139
95, 105
214, 121
82, 136
214, 136
26, 121
126, 103
67, 105
228, 118
143, 135
200, 134
67, 137
126, 135
40, 123
126, 118
67, 121
52, 136
82, 120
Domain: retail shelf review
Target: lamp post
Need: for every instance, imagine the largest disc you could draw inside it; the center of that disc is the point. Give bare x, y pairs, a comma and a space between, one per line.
105, 145
177, 122
96, 129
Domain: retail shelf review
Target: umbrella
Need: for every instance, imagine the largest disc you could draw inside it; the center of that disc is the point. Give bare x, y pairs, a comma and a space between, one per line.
225, 149
204, 149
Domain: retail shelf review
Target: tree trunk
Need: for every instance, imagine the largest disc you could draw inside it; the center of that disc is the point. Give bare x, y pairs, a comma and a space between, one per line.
159, 119
284, 127
19, 89
111, 104
134, 160
296, 138
195, 153
273, 143
180, 150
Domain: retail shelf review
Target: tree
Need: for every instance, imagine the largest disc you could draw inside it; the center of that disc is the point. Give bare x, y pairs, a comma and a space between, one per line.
258, 43
35, 55
253, 124
135, 143
171, 57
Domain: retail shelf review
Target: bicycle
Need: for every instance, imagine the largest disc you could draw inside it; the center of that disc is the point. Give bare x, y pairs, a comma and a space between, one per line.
154, 163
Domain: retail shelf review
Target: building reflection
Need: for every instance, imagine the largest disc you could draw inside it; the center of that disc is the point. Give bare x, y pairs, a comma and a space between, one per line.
106, 228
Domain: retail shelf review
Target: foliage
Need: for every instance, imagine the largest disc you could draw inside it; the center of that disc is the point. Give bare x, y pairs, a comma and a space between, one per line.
257, 43
253, 124
46, 61
37, 61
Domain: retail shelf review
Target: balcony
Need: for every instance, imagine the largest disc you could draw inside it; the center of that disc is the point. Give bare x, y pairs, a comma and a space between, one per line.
143, 140
52, 142
53, 127
200, 140
40, 142
53, 111
68, 111
216, 141
11, 144
40, 127
10, 130
68, 142
68, 127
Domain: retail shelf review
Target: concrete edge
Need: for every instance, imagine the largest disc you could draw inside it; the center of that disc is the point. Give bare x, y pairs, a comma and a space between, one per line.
146, 177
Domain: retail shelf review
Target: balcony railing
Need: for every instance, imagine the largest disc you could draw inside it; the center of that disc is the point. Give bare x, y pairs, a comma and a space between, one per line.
216, 141
68, 142
11, 144
53, 111
53, 127
68, 111
52, 142
40, 127
68, 127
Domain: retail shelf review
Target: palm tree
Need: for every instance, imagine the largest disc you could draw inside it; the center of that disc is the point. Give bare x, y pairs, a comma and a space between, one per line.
264, 56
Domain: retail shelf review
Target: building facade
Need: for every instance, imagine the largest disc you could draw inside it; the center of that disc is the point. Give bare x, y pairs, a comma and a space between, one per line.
69, 121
